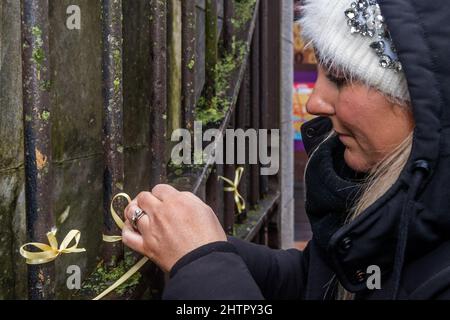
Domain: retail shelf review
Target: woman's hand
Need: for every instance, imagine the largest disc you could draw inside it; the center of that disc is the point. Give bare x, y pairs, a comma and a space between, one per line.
175, 223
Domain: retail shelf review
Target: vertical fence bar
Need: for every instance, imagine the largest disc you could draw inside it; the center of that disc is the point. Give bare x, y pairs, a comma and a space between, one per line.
273, 232
265, 80
229, 172
265, 232
284, 18
211, 54
228, 30
274, 45
113, 179
175, 67
255, 107
214, 194
228, 169
189, 40
242, 116
158, 128
248, 125
37, 135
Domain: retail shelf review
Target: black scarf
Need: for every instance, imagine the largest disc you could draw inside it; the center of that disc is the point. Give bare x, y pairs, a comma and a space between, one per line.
331, 190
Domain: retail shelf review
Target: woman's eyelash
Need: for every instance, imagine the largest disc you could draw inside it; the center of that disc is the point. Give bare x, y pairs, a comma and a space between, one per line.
339, 82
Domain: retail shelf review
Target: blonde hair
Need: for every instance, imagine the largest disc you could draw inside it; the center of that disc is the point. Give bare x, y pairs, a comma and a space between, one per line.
379, 181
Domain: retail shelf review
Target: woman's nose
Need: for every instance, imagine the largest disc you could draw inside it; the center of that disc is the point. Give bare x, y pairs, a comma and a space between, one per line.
318, 106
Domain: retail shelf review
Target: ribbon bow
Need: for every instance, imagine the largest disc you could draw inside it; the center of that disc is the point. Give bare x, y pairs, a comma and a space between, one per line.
51, 252
238, 198
120, 223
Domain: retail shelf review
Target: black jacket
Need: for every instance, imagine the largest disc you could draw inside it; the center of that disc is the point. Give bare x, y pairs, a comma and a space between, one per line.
406, 232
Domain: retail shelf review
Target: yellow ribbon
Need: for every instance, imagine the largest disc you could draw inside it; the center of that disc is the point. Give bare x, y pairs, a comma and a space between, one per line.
51, 252
116, 218
120, 223
238, 198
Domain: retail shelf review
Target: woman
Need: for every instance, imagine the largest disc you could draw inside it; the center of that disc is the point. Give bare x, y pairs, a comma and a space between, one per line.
376, 183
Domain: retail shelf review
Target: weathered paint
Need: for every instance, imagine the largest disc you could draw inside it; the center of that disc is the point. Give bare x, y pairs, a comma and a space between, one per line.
37, 132
189, 65
113, 177
158, 97
174, 62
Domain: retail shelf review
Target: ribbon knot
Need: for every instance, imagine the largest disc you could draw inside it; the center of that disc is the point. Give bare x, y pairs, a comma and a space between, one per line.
238, 198
51, 252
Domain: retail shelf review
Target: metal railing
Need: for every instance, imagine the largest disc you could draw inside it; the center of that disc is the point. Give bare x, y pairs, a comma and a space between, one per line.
246, 101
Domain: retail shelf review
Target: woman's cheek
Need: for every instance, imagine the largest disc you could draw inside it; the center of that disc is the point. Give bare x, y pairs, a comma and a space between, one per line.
358, 151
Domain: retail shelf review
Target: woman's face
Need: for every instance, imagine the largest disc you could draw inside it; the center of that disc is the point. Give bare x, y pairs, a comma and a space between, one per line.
368, 124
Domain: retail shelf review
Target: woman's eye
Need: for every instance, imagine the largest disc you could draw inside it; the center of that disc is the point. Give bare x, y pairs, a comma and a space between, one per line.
338, 81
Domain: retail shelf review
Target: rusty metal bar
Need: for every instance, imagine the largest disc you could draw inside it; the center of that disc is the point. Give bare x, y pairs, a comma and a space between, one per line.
189, 62
265, 78
37, 134
255, 107
113, 178
211, 47
158, 128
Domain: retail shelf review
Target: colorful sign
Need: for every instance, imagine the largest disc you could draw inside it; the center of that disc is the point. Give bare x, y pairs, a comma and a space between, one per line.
302, 92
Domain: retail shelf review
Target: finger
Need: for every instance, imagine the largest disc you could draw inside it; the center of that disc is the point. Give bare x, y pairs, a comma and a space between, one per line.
143, 223
127, 209
164, 192
148, 202
193, 196
132, 239
130, 209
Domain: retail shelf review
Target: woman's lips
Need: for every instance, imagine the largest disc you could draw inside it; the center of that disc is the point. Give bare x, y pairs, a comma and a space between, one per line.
345, 138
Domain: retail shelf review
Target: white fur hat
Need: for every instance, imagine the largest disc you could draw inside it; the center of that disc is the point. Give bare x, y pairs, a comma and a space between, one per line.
326, 25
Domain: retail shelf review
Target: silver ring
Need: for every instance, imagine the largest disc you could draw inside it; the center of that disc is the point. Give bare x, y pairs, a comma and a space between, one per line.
137, 214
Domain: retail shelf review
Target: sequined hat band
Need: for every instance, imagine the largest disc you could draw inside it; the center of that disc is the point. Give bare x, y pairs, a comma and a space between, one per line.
364, 17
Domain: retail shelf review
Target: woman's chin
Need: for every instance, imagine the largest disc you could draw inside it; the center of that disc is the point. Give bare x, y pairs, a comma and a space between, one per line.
356, 161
